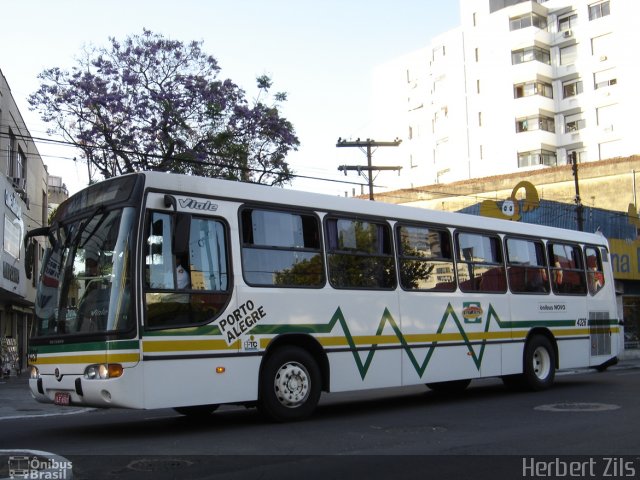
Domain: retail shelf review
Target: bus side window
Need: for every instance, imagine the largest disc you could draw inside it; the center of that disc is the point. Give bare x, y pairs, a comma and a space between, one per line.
527, 266
281, 249
360, 254
158, 258
567, 271
190, 288
425, 259
479, 263
595, 274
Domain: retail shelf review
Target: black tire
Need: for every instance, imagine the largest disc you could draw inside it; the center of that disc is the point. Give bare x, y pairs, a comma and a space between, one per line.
539, 364
196, 411
450, 387
289, 386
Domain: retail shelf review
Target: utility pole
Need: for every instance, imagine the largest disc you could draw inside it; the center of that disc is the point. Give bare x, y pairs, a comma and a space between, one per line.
578, 200
368, 144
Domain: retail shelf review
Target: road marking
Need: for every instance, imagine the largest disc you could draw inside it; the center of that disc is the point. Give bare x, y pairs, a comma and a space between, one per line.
577, 407
41, 415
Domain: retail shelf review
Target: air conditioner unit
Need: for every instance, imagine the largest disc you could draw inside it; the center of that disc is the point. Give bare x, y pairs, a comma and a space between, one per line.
567, 34
603, 58
19, 184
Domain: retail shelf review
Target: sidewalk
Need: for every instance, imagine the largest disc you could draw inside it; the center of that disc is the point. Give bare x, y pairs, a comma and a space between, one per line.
16, 400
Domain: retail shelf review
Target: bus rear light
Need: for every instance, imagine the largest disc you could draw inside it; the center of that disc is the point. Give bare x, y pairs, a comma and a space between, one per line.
103, 371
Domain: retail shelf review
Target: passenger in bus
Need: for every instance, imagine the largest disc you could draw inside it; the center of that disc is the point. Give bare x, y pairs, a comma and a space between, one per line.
183, 279
537, 280
594, 276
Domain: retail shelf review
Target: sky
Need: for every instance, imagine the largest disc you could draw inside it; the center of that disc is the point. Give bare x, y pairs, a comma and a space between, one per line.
321, 53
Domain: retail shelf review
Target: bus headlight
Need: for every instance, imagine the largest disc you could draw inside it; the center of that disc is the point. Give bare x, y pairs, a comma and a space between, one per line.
34, 374
103, 371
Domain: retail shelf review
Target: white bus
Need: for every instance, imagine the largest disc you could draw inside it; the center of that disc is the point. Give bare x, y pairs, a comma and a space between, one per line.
160, 290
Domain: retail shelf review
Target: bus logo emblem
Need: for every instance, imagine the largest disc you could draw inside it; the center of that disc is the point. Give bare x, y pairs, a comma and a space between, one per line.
472, 312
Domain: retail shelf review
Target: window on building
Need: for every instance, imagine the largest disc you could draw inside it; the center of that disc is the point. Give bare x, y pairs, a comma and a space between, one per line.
477, 54
567, 270
568, 54
536, 122
360, 254
530, 54
599, 10
567, 22
13, 146
527, 20
574, 122
571, 88
604, 78
281, 249
479, 263
607, 115
537, 157
527, 266
577, 155
479, 119
601, 46
610, 149
533, 88
442, 155
425, 259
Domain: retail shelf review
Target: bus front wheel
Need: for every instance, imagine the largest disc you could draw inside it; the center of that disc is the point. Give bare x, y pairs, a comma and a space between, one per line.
289, 385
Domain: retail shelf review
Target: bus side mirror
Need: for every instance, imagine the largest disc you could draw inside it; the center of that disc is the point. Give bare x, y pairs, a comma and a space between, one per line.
181, 229
29, 257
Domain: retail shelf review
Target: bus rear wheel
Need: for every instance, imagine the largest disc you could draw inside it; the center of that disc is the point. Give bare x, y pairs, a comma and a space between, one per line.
289, 385
539, 366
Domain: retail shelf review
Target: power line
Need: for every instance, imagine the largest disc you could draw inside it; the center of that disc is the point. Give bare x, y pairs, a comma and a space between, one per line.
174, 158
368, 143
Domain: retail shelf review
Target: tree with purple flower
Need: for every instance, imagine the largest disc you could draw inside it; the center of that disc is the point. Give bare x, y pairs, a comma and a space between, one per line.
152, 103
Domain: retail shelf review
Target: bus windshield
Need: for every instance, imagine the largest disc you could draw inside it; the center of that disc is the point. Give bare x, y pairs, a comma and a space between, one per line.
86, 275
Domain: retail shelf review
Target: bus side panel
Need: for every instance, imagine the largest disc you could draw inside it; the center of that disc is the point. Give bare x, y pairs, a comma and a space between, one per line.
452, 336
176, 383
355, 328
369, 330
573, 353
605, 331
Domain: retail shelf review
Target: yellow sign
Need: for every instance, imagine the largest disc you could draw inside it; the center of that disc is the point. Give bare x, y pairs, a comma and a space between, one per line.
625, 259
509, 209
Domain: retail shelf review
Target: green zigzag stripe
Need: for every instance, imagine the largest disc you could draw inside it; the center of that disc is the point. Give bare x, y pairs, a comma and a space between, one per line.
363, 366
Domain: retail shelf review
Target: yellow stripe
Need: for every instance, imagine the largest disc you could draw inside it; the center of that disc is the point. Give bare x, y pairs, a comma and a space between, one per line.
88, 359
442, 337
165, 346
187, 345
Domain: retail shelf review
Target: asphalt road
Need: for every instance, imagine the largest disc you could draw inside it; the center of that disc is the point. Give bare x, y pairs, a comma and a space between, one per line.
486, 432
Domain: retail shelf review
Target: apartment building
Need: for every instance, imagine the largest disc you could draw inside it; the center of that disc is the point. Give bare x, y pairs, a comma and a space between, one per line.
518, 86
23, 183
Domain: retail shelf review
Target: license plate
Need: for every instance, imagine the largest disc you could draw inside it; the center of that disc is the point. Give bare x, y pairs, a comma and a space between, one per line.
62, 398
